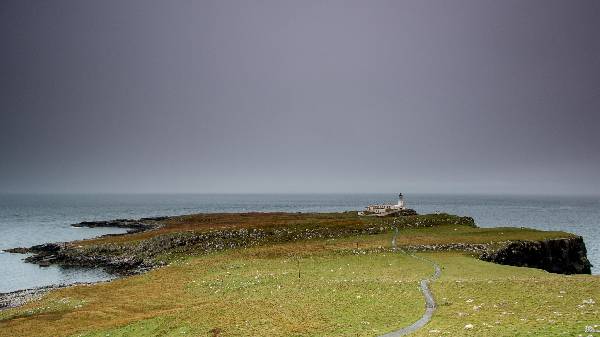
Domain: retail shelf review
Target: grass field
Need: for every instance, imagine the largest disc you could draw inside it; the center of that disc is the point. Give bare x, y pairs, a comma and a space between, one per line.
510, 301
348, 286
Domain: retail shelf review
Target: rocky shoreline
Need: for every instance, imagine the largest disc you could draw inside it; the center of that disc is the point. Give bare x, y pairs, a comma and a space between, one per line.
565, 256
45, 255
53, 253
128, 259
17, 298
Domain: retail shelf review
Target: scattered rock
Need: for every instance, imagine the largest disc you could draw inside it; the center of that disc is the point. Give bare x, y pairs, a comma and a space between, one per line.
17, 298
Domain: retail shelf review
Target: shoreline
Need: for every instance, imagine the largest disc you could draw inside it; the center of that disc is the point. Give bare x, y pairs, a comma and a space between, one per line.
44, 254
566, 255
19, 297
124, 260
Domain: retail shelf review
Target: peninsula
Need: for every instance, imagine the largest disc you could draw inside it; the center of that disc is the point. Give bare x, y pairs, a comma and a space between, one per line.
315, 274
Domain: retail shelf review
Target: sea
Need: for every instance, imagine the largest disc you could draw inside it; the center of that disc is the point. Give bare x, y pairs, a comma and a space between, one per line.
27, 220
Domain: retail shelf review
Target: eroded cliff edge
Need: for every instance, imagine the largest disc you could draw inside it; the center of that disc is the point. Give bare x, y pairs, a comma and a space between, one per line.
562, 256
555, 252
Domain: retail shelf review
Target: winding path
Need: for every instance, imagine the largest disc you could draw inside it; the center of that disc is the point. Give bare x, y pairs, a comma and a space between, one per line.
429, 300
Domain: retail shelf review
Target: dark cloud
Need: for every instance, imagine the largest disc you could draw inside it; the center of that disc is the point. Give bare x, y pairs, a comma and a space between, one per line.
300, 96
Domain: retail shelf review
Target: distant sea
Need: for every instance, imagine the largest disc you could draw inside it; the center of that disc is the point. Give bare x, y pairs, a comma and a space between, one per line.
27, 220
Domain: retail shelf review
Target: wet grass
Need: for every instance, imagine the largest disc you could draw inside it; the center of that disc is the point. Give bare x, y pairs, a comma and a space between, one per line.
344, 286
446, 234
302, 288
484, 299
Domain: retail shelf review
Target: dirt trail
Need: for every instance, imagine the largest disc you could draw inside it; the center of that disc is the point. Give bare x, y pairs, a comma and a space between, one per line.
429, 300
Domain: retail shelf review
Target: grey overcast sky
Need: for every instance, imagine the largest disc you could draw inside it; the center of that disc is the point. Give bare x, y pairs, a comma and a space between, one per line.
246, 96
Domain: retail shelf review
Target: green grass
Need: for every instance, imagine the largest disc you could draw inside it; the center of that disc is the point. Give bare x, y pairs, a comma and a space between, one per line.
244, 292
349, 286
509, 301
445, 234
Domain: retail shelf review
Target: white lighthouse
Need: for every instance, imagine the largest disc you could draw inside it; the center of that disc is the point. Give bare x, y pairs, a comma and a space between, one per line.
398, 209
400, 201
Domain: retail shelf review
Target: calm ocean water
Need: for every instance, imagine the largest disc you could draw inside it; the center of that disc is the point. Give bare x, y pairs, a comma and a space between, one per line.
27, 220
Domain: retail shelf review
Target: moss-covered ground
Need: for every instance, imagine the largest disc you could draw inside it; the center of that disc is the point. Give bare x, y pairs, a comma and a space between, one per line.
347, 286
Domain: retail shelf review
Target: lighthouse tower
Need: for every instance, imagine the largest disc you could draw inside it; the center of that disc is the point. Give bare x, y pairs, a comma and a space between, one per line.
400, 201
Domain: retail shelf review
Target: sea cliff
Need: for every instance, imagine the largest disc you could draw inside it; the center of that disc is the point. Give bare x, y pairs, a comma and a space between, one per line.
165, 236
562, 256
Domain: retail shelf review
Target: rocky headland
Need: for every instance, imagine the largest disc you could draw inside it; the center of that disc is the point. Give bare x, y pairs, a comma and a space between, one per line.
70, 255
135, 254
562, 256
141, 255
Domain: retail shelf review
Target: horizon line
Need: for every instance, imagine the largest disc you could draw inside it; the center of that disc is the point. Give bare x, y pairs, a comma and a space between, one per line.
42, 193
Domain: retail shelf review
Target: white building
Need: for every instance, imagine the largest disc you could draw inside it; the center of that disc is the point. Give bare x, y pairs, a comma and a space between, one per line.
385, 208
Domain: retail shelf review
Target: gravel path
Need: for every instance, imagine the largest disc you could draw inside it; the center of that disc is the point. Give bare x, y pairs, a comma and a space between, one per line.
429, 300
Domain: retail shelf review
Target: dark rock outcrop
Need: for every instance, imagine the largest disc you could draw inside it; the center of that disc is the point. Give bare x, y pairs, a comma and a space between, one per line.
405, 212
18, 250
156, 218
562, 256
136, 257
134, 226
46, 248
67, 255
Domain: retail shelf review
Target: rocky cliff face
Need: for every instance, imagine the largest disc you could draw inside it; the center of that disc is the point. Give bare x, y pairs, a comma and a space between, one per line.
562, 256
136, 257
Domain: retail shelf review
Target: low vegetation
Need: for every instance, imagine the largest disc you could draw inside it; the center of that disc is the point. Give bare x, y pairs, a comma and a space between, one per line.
326, 275
484, 299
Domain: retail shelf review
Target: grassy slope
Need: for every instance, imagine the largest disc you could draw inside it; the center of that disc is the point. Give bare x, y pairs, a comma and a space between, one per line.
243, 292
510, 301
342, 290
